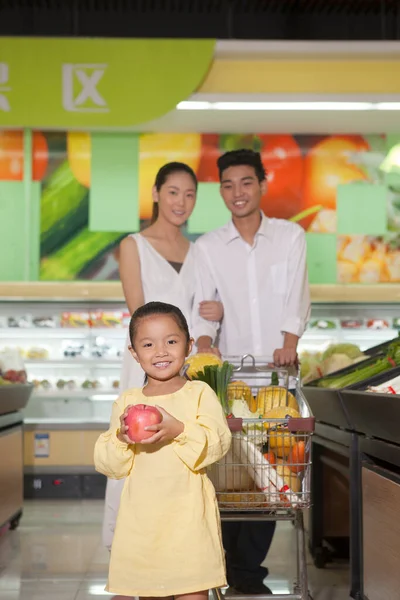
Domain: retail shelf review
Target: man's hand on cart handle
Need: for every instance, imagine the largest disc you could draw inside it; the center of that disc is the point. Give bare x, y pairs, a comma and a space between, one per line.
204, 346
286, 357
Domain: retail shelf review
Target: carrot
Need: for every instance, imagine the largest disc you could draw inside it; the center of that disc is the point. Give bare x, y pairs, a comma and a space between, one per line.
297, 457
271, 458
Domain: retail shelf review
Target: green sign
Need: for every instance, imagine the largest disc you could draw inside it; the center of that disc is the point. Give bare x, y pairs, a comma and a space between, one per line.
84, 83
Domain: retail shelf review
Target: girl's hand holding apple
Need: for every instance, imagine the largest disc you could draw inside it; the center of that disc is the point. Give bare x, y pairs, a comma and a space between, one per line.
165, 431
122, 432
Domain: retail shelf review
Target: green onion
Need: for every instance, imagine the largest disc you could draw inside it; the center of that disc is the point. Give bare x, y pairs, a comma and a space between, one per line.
217, 377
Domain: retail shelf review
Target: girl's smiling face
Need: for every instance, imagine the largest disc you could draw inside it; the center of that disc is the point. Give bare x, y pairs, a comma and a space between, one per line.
160, 346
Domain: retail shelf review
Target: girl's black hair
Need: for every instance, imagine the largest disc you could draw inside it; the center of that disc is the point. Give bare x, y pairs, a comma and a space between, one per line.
162, 176
157, 308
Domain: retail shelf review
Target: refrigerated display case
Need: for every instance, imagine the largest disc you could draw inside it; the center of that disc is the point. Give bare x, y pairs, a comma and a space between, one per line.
72, 354
357, 439
72, 343
13, 398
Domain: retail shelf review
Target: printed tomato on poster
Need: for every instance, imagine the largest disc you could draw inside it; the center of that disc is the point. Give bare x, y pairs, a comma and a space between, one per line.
331, 162
12, 156
282, 158
210, 152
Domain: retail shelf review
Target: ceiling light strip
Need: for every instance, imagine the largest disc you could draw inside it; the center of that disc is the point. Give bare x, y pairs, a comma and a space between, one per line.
289, 106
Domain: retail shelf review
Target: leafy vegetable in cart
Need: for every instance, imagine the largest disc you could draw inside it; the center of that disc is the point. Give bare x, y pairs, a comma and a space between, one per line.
239, 390
217, 378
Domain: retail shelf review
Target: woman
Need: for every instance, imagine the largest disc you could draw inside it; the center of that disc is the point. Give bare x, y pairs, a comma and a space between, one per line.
158, 265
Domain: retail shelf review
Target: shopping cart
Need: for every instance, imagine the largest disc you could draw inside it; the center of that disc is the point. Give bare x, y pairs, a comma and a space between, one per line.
266, 474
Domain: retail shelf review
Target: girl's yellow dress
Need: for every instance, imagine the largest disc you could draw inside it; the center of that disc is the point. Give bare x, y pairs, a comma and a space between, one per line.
167, 539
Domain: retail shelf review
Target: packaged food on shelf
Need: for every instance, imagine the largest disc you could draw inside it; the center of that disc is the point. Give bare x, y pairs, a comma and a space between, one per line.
126, 317
101, 349
351, 323
66, 384
46, 322
73, 349
75, 319
91, 384
12, 368
22, 322
323, 324
37, 353
378, 324
43, 384
101, 318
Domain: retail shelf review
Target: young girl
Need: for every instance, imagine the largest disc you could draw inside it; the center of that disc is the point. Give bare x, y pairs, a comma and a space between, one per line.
167, 540
158, 264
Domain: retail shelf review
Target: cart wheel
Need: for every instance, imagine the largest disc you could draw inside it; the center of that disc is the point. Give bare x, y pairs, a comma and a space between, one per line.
15, 523
321, 557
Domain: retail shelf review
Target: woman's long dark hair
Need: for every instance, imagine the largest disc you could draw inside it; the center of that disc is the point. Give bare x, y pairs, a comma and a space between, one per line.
162, 176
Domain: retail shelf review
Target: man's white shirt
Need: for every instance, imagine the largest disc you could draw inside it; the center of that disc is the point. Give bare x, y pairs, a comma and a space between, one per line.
264, 288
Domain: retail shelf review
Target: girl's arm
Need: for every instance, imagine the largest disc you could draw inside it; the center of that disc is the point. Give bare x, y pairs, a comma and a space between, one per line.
112, 456
206, 439
129, 271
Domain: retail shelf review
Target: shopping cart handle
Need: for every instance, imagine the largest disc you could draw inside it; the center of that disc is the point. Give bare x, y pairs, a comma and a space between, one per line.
305, 425
235, 424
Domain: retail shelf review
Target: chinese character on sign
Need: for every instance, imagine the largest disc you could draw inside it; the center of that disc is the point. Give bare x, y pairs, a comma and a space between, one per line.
79, 88
4, 103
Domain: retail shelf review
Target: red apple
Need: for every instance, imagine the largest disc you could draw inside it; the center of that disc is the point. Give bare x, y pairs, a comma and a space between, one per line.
138, 418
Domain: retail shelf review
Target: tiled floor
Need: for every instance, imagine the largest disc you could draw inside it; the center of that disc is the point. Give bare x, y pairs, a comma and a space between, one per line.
56, 554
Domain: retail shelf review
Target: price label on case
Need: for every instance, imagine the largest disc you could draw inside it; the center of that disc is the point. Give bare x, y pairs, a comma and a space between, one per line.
42, 445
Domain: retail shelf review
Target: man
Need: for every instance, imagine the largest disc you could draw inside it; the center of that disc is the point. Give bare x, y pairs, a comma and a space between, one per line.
256, 266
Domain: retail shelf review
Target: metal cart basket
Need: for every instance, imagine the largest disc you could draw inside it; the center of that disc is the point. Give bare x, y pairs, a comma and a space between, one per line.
266, 473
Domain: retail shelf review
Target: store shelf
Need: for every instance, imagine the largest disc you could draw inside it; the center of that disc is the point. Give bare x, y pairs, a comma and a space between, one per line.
63, 291
75, 362
97, 394
41, 333
112, 292
64, 423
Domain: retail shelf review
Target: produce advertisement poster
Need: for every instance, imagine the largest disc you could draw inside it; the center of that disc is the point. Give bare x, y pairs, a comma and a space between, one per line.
343, 189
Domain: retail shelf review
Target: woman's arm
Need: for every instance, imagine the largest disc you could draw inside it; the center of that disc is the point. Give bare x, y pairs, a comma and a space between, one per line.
129, 271
211, 310
113, 457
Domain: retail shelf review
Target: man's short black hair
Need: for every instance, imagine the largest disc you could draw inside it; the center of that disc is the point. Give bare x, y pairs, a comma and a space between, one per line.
236, 158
